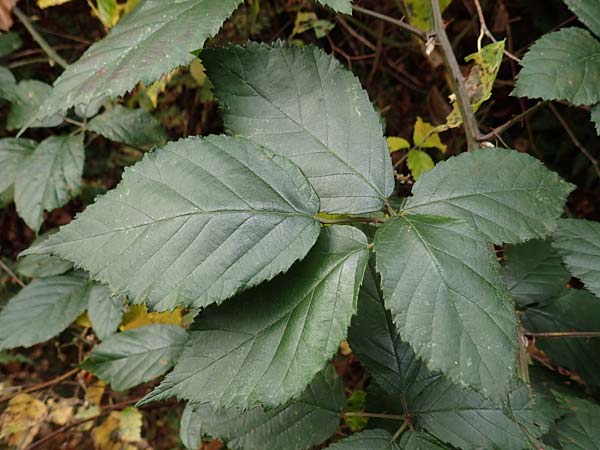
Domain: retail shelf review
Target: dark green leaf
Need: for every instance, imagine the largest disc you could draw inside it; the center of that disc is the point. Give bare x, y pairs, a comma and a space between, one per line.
301, 103
13, 154
300, 425
533, 272
43, 309
420, 441
49, 178
443, 287
134, 127
263, 348
580, 430
155, 38
190, 428
193, 223
9, 42
578, 241
574, 310
588, 11
135, 356
26, 98
105, 312
506, 195
563, 65
367, 440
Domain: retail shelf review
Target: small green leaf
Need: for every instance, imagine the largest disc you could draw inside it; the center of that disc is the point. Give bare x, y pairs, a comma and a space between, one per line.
509, 197
573, 310
155, 38
588, 11
49, 178
134, 127
299, 425
342, 6
9, 42
419, 162
396, 143
426, 136
13, 154
193, 223
367, 440
303, 104
533, 272
26, 98
105, 312
43, 309
563, 65
578, 241
443, 287
263, 348
135, 356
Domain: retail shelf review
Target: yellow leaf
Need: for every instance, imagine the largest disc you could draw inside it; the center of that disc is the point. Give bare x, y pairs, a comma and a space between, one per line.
86, 412
47, 3
426, 135
396, 143
419, 12
419, 162
108, 435
345, 349
21, 420
94, 392
138, 316
83, 320
130, 428
198, 72
62, 411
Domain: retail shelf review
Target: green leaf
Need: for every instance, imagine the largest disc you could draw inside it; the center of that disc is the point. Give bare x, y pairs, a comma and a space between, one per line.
135, 356
443, 287
49, 178
26, 98
105, 312
420, 441
190, 428
41, 266
419, 162
134, 127
9, 42
193, 223
533, 272
43, 309
588, 11
301, 103
574, 310
375, 341
506, 195
13, 153
342, 6
579, 430
563, 65
299, 425
419, 12
578, 241
596, 117
367, 440
152, 40
263, 349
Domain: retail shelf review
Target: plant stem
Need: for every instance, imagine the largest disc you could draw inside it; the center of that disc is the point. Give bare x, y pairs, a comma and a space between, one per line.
4, 267
502, 128
374, 415
37, 37
484, 30
565, 334
456, 79
348, 220
399, 23
400, 431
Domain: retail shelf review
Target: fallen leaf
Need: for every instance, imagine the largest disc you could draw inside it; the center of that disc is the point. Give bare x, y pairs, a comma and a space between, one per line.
21, 420
6, 7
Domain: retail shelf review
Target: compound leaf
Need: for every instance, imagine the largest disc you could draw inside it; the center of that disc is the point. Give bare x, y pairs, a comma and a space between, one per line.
132, 357
155, 38
578, 241
506, 195
13, 154
563, 65
263, 348
588, 11
193, 223
104, 311
43, 309
301, 103
134, 127
445, 293
533, 272
299, 425
49, 178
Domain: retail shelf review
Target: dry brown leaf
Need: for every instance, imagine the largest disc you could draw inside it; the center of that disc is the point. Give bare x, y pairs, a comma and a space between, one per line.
6, 7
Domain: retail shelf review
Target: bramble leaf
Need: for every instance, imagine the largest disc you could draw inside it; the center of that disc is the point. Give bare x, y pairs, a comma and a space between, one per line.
579, 430
13, 154
419, 162
445, 293
367, 440
262, 347
342, 6
129, 358
507, 196
105, 312
193, 223
303, 104
155, 38
588, 11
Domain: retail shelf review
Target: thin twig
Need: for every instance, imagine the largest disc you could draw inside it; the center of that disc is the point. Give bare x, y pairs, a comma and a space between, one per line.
7, 269
565, 334
398, 22
518, 118
399, 431
42, 385
353, 32
37, 37
484, 30
456, 79
574, 139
